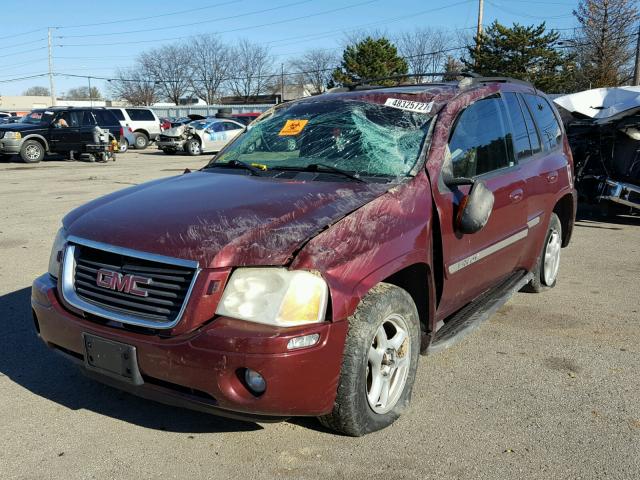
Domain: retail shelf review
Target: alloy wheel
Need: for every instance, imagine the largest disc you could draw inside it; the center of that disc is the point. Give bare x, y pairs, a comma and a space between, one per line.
388, 364
552, 258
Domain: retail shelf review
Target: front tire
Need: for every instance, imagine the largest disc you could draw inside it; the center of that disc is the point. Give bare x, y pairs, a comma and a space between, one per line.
192, 147
379, 363
142, 141
32, 151
545, 273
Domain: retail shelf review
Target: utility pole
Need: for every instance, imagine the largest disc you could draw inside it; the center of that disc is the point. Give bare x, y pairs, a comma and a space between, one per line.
480, 17
52, 87
282, 82
636, 74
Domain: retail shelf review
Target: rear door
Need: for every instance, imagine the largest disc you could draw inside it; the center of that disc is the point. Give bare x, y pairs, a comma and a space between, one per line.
480, 147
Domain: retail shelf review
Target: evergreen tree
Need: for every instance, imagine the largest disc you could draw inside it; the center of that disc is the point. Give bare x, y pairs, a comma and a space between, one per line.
523, 52
370, 58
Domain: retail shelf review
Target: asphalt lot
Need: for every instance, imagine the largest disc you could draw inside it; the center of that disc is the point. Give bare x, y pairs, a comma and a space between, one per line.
546, 389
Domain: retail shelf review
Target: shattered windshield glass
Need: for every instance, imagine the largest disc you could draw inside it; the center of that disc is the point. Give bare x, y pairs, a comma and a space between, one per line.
363, 138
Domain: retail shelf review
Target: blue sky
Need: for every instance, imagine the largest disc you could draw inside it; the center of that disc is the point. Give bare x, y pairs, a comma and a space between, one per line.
87, 28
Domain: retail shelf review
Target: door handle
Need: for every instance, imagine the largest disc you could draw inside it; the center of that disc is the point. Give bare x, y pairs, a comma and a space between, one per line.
552, 177
516, 195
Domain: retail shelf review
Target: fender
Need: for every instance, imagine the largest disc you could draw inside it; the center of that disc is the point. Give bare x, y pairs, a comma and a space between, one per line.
31, 136
362, 249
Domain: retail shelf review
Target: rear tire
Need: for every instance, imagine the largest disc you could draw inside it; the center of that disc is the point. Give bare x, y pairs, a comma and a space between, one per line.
545, 273
32, 151
379, 363
142, 141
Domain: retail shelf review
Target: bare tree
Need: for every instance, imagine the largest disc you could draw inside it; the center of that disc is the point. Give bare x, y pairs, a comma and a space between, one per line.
170, 67
37, 92
424, 49
211, 65
135, 86
252, 71
314, 69
83, 93
604, 44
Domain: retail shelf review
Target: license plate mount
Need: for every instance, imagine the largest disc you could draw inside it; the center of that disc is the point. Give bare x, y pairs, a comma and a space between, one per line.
113, 359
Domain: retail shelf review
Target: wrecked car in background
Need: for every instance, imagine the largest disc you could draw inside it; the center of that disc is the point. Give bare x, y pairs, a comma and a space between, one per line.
603, 128
199, 136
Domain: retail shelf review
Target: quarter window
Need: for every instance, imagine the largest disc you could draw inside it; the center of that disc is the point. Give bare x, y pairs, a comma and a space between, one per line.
140, 115
118, 114
546, 120
479, 143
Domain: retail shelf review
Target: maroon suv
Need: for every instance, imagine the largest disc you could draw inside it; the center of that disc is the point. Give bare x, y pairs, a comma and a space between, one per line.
303, 270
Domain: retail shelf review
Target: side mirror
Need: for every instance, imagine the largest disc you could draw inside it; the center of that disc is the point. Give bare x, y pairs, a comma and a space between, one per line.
475, 209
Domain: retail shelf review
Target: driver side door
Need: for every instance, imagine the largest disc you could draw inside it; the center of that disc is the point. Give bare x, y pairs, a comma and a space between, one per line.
480, 147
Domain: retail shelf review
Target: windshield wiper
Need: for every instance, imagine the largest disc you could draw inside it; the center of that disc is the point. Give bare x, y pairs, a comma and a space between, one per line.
320, 167
237, 164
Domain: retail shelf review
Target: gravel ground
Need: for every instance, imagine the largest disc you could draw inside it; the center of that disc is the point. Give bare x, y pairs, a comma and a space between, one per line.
548, 388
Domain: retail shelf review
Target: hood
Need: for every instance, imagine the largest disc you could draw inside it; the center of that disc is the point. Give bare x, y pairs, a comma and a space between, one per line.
175, 131
18, 127
219, 219
602, 105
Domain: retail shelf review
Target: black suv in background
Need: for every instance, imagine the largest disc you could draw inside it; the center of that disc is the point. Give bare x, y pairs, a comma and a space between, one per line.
55, 130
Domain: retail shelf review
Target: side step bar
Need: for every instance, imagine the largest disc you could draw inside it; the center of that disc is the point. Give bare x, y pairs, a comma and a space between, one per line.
469, 317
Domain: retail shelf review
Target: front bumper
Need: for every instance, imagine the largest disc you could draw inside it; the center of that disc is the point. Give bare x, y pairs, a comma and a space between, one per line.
171, 143
620, 192
202, 369
10, 146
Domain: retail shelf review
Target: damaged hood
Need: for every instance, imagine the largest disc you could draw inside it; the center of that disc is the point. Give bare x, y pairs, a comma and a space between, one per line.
603, 105
175, 131
219, 219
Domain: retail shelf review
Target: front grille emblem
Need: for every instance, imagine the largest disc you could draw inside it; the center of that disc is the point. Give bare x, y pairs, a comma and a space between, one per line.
126, 283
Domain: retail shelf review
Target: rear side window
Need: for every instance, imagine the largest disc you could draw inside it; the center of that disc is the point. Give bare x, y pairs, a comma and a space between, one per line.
544, 117
520, 132
118, 114
87, 119
534, 139
480, 139
106, 118
138, 115
230, 126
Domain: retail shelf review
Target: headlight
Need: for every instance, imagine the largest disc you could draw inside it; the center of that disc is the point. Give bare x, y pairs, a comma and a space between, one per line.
56, 253
274, 296
13, 135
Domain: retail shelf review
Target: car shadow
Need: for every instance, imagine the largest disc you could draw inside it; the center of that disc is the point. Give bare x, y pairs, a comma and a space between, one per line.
25, 360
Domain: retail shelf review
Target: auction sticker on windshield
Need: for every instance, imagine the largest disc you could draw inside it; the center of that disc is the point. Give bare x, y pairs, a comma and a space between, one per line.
409, 105
293, 127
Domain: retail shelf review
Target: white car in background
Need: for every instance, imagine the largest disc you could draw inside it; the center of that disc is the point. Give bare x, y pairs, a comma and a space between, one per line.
144, 123
199, 136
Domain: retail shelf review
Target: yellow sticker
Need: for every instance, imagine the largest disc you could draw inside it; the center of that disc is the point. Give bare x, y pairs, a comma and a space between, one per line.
293, 127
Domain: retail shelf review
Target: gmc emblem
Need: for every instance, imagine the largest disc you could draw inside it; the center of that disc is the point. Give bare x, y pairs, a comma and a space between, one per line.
125, 283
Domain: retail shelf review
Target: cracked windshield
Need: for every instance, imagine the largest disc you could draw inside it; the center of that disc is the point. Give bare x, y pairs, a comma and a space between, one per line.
361, 138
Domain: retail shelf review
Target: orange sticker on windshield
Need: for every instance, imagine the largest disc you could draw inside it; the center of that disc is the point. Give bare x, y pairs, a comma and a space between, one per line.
293, 127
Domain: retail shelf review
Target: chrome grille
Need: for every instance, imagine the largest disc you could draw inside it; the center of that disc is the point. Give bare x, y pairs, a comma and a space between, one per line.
167, 286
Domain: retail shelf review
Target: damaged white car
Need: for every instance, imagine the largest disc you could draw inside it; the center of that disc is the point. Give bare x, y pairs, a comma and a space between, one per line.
603, 127
200, 136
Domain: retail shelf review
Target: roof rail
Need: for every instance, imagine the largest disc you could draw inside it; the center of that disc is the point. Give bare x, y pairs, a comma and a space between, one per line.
501, 80
371, 82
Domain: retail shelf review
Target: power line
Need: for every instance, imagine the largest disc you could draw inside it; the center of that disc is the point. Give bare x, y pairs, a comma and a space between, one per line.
23, 78
24, 51
24, 43
278, 22
316, 36
169, 14
21, 34
190, 24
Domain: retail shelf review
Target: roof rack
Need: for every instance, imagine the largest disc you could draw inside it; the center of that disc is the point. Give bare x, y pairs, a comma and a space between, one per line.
480, 79
371, 82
